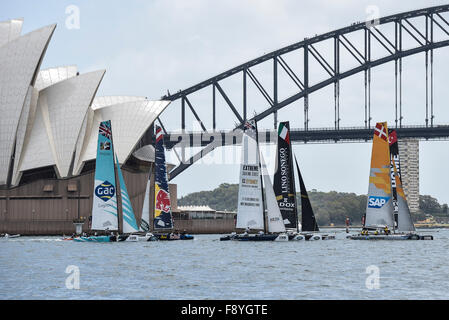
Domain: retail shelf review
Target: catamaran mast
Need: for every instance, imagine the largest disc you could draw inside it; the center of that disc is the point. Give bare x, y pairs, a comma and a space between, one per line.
265, 229
117, 186
294, 188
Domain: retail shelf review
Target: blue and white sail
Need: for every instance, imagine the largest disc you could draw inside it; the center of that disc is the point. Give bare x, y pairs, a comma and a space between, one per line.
104, 209
128, 217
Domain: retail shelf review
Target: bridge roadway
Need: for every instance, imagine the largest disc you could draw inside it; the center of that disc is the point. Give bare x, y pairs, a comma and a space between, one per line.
319, 135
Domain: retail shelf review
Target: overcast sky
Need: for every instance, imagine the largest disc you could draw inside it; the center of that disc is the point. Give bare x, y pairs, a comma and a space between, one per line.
148, 47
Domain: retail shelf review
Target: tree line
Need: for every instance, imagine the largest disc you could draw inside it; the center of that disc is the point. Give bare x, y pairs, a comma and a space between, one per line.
329, 207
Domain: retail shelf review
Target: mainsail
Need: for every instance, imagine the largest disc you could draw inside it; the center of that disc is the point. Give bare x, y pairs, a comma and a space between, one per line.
401, 211
379, 207
104, 209
250, 204
128, 217
308, 220
162, 213
284, 181
274, 217
145, 220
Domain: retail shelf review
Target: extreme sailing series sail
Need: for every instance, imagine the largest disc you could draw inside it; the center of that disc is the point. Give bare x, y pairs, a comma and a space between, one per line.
252, 199
387, 214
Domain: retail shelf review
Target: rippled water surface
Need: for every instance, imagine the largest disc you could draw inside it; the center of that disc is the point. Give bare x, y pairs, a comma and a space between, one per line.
34, 268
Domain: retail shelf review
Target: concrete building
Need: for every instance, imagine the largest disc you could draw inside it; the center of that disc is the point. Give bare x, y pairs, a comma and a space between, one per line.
48, 134
203, 212
409, 153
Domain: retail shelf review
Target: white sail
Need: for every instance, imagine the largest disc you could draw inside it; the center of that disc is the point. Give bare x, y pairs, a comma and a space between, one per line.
145, 220
274, 217
250, 204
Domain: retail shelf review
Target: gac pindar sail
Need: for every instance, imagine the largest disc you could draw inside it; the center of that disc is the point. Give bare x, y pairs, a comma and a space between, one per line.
284, 182
128, 217
379, 205
104, 210
162, 213
250, 204
402, 214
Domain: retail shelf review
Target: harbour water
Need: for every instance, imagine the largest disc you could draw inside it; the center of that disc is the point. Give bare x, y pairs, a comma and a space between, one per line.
205, 268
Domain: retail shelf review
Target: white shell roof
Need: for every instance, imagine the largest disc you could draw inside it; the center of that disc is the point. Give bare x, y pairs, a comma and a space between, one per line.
10, 30
129, 121
48, 77
24, 129
19, 60
100, 102
63, 107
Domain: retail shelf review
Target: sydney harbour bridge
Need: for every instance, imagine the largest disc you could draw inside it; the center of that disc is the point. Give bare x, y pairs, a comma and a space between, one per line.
426, 30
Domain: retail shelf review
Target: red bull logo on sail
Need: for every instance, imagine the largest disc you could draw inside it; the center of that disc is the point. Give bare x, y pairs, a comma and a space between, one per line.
163, 201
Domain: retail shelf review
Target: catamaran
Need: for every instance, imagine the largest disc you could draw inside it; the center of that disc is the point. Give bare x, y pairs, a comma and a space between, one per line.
163, 218
111, 211
251, 213
387, 213
284, 188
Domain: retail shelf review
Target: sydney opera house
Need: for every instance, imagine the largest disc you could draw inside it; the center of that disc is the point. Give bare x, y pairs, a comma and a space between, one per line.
48, 134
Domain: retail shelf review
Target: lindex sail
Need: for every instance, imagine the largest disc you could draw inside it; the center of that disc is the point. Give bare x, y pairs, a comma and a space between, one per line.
111, 209
387, 213
284, 188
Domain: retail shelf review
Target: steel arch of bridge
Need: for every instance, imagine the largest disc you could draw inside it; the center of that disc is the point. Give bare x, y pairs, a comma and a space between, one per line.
393, 47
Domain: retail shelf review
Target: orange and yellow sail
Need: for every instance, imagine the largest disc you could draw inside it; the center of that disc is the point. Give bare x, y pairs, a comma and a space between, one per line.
379, 205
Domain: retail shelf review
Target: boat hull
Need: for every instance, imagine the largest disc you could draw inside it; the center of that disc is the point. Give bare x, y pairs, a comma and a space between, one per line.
310, 236
96, 239
256, 237
390, 237
166, 237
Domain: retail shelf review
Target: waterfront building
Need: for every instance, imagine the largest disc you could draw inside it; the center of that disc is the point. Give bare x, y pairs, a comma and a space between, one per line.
409, 153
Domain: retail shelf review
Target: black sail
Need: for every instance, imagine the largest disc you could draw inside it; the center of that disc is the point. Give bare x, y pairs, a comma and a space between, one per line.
284, 181
308, 218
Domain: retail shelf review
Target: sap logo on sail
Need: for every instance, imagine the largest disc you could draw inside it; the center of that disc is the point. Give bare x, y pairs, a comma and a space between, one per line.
105, 191
377, 202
